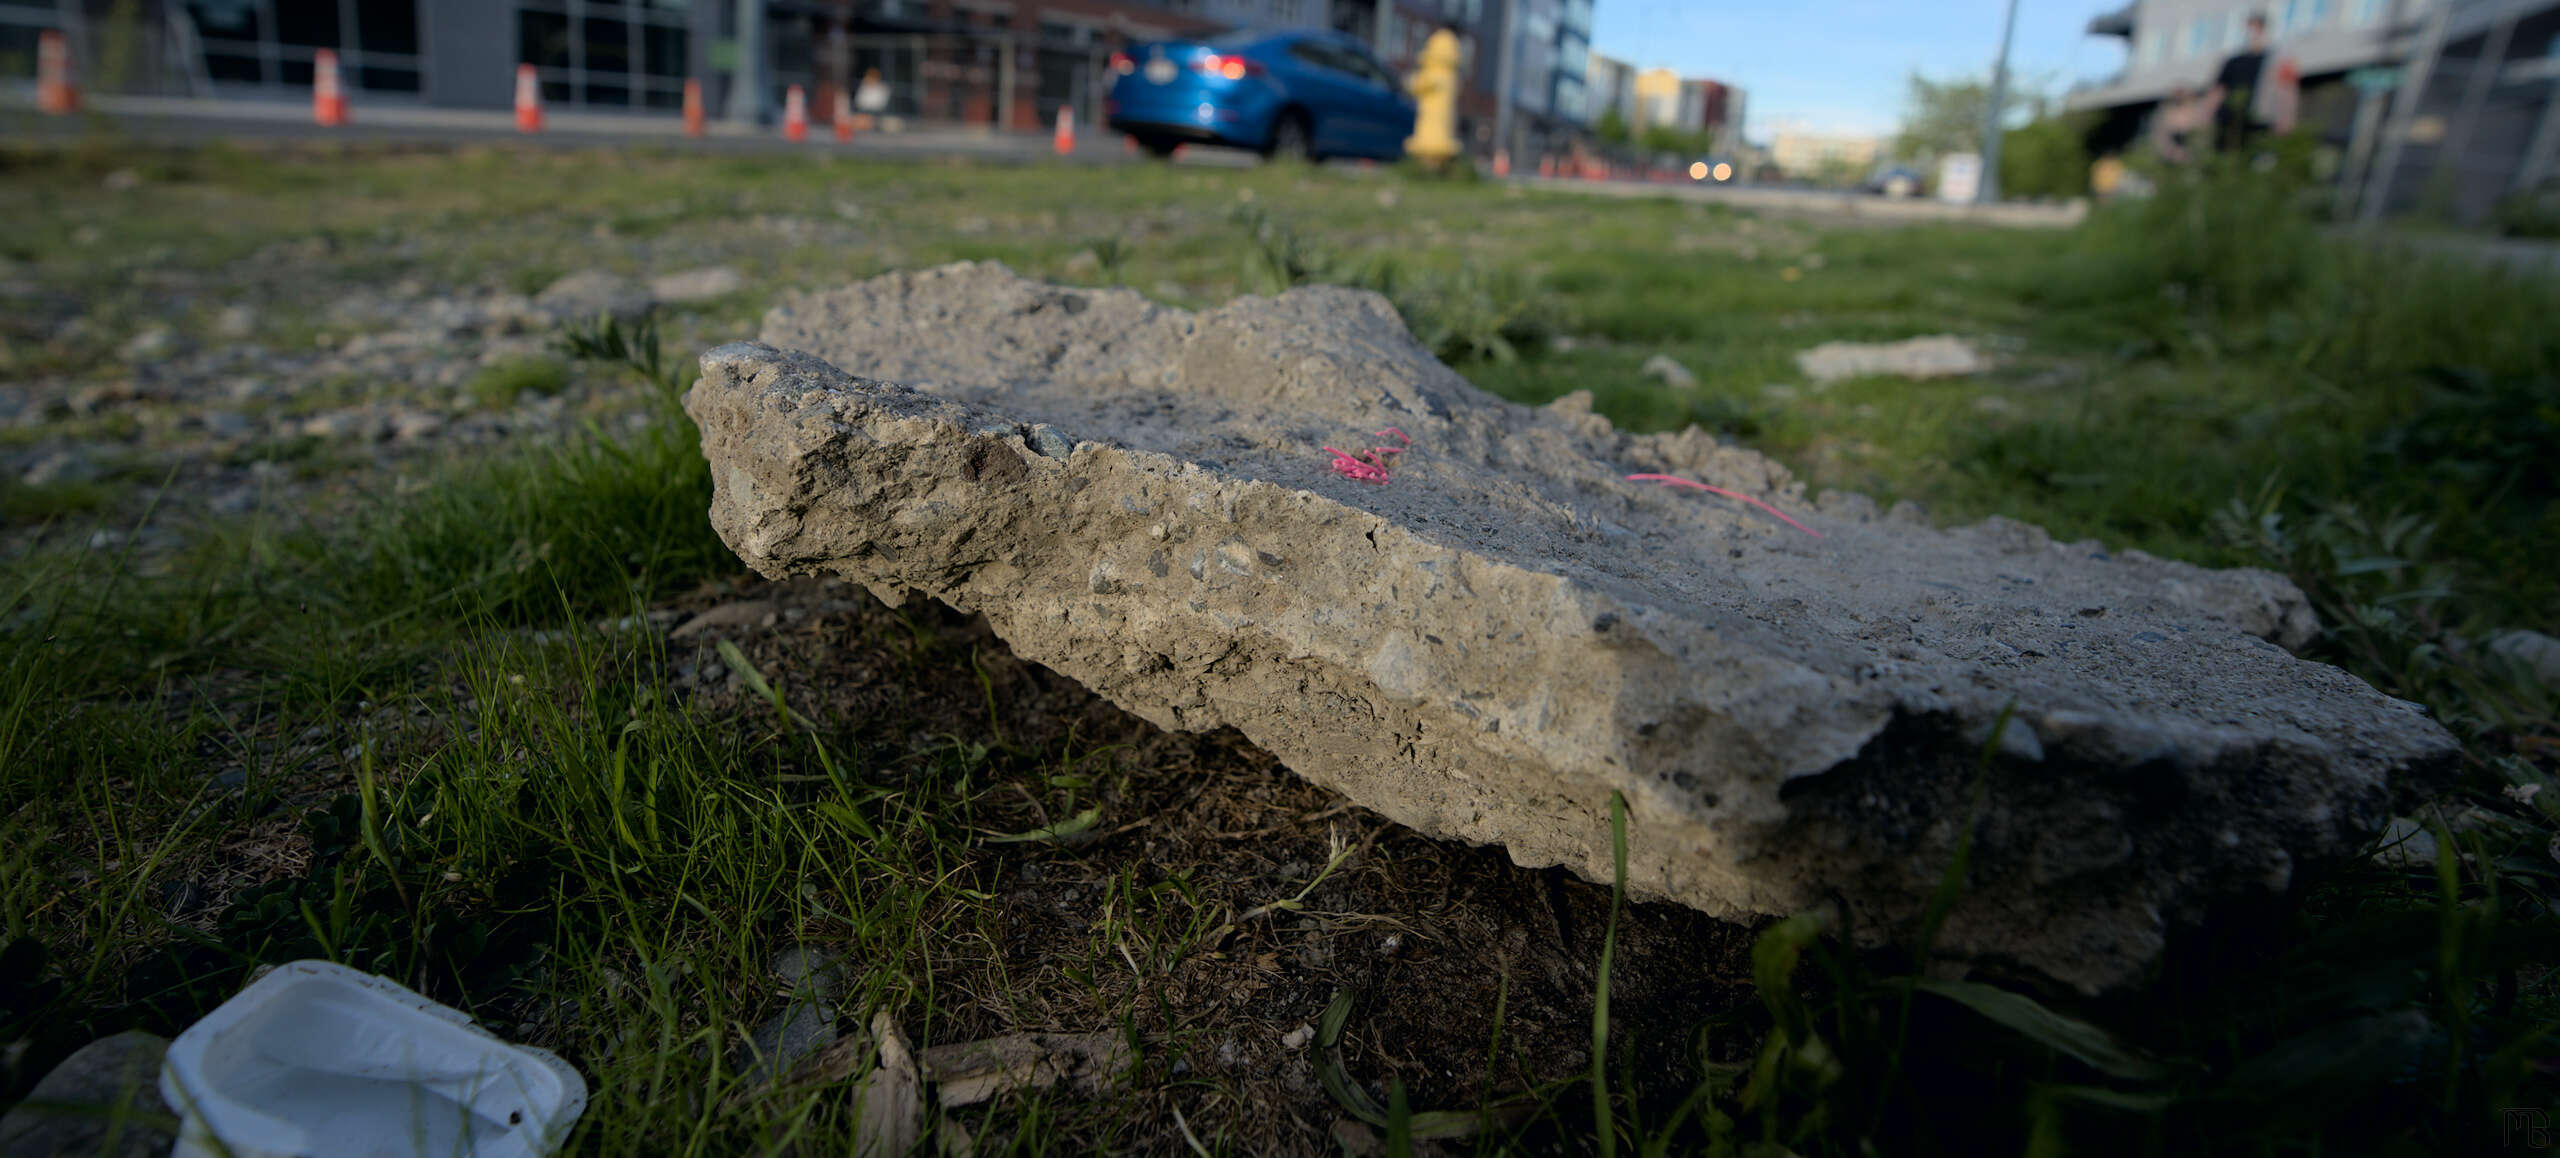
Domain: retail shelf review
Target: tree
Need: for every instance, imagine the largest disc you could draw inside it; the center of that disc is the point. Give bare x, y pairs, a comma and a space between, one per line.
1838, 173
1666, 139
1611, 127
1945, 116
2047, 157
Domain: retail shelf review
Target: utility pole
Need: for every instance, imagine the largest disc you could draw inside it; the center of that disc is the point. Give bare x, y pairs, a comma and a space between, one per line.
746, 90
1502, 75
1989, 189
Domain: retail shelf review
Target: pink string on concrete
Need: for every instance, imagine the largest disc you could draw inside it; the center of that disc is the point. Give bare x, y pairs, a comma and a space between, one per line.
1371, 466
1677, 481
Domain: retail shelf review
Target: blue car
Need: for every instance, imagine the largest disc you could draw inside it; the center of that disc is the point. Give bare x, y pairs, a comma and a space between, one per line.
1298, 94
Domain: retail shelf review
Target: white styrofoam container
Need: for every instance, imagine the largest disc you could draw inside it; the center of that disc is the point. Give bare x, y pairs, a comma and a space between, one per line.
316, 1060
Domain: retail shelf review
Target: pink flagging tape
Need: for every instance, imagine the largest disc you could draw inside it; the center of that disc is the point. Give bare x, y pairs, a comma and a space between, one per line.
1372, 466
1677, 481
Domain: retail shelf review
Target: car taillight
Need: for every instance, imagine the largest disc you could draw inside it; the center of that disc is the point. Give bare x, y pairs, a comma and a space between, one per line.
1230, 67
1120, 63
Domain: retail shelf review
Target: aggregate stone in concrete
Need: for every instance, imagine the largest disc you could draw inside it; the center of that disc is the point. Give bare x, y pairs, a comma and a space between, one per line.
1507, 631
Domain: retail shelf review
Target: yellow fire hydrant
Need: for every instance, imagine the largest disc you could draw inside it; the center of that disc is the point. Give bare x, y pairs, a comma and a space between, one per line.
1434, 86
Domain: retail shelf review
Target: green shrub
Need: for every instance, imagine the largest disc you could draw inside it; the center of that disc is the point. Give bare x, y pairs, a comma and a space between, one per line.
2531, 213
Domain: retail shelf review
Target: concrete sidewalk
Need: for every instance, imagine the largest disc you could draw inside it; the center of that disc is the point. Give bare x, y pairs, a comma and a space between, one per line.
1821, 202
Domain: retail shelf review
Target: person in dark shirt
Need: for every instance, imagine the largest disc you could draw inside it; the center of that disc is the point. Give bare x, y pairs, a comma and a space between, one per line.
2235, 90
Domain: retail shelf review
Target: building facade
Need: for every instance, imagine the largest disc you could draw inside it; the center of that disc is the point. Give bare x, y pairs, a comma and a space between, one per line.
1710, 106
1000, 63
1657, 92
1611, 87
2456, 109
1006, 64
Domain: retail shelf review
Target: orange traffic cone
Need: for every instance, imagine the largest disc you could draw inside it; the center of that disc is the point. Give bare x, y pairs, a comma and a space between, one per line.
795, 114
528, 100
1064, 140
1546, 166
54, 91
692, 107
844, 117
328, 100
1502, 162
1129, 144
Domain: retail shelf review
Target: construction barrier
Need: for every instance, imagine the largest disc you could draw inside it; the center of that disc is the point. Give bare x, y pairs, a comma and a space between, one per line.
795, 114
528, 100
328, 97
55, 92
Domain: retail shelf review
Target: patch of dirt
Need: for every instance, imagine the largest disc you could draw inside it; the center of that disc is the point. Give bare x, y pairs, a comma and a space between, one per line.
1431, 938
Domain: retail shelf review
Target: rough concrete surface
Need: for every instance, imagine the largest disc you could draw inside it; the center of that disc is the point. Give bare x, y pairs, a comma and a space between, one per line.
1491, 642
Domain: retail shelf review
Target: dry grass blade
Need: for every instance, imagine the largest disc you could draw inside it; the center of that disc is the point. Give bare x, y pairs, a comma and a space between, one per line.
1063, 832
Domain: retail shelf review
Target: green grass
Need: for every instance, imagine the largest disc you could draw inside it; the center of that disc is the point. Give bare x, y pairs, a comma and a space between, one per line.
438, 770
504, 384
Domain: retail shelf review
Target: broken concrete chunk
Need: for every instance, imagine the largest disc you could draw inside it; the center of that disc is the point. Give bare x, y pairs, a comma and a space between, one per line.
1938, 356
1506, 632
584, 296
697, 285
1670, 372
103, 1099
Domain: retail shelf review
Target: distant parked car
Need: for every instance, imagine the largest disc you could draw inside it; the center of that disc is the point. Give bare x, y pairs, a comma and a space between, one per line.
1298, 94
1894, 181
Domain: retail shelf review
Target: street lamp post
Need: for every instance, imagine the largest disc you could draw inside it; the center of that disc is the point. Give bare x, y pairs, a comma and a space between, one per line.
1988, 190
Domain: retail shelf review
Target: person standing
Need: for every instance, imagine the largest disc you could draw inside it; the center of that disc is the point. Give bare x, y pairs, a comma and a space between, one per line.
2234, 95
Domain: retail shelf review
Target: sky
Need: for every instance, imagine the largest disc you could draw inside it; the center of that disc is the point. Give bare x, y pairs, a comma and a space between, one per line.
1841, 65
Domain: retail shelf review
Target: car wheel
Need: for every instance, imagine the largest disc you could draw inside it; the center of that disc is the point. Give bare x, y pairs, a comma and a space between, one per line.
1289, 139
1160, 148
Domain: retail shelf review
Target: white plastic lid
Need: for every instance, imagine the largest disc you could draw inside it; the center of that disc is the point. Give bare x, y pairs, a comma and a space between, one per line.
318, 1059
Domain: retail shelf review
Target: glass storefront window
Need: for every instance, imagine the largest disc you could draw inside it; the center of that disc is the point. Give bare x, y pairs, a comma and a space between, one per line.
387, 26
542, 39
608, 44
225, 19
307, 23
381, 79
662, 50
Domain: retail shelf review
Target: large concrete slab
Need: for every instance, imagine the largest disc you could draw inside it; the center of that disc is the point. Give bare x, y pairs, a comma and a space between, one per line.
1505, 632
